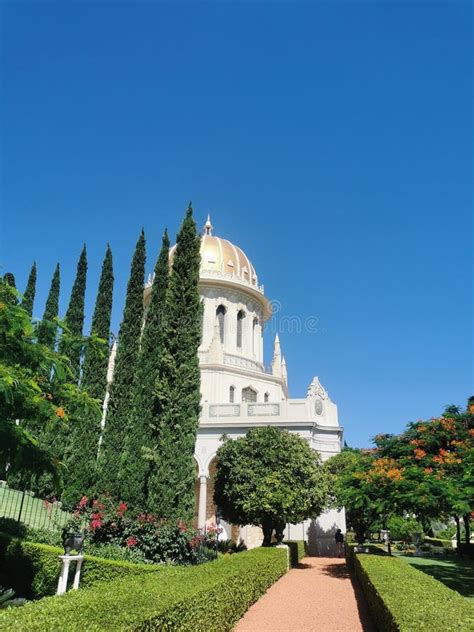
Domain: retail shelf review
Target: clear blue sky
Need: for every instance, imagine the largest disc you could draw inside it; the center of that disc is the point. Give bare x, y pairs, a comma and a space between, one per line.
331, 141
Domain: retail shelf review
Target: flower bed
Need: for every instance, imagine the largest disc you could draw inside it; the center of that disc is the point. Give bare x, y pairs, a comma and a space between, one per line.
403, 599
210, 597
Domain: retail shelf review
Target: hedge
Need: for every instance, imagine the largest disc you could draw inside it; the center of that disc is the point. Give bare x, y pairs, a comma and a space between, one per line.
32, 569
205, 598
467, 549
373, 549
297, 551
446, 544
404, 599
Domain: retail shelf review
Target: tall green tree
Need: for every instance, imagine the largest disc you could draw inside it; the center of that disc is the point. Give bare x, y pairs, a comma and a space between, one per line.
30, 291
74, 318
120, 400
9, 279
47, 328
81, 461
134, 463
177, 391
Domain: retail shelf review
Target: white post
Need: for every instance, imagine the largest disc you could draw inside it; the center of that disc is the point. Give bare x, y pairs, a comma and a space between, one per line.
77, 574
62, 583
202, 502
63, 576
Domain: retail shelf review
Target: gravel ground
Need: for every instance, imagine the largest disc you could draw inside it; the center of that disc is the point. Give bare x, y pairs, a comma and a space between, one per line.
318, 595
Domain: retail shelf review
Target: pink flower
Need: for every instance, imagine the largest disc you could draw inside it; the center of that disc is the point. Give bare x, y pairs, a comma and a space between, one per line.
122, 508
131, 541
82, 502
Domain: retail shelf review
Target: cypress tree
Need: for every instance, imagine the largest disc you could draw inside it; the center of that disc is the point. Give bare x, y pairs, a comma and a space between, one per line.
74, 318
9, 279
47, 328
120, 400
30, 291
177, 387
134, 463
81, 461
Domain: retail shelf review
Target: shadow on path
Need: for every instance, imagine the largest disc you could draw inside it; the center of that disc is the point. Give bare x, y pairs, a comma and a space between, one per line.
341, 571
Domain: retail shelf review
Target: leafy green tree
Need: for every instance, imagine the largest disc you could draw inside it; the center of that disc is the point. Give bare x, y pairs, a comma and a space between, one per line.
81, 461
74, 318
48, 327
268, 478
39, 398
177, 391
134, 464
29, 295
367, 505
120, 401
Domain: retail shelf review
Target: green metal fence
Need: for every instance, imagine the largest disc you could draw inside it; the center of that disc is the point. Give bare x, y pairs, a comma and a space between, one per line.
25, 507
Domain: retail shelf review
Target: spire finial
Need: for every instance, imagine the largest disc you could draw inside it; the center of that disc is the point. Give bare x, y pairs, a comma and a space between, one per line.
208, 227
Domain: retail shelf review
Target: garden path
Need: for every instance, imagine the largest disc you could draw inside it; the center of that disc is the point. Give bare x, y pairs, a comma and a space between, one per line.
316, 595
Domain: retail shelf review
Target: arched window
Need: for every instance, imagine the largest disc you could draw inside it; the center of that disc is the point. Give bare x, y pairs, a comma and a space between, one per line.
249, 395
240, 318
265, 397
231, 394
220, 313
254, 333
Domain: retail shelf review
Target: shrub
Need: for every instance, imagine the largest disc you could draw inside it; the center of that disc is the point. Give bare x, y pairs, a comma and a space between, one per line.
403, 528
206, 598
467, 550
160, 541
403, 599
447, 544
32, 569
297, 551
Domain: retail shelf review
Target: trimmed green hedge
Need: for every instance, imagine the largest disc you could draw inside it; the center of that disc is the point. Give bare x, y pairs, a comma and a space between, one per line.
297, 551
403, 599
374, 549
446, 544
205, 598
32, 569
467, 549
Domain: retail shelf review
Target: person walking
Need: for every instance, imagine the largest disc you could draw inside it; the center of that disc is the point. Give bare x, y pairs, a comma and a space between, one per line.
339, 537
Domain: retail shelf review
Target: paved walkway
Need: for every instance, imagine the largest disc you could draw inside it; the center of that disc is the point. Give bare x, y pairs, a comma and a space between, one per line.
318, 595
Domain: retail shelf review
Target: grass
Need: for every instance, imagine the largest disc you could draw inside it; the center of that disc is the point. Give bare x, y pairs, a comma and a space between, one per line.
456, 573
33, 512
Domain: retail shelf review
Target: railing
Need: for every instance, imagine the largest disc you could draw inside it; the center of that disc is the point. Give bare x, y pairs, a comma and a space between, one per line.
217, 273
246, 363
24, 507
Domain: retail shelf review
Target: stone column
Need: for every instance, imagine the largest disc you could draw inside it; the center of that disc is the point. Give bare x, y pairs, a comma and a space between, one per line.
202, 502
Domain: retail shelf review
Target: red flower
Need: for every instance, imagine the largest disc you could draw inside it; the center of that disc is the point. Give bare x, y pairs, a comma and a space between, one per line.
131, 542
122, 508
96, 521
83, 501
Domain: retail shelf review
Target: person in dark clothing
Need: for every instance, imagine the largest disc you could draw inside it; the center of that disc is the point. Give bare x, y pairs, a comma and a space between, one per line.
339, 537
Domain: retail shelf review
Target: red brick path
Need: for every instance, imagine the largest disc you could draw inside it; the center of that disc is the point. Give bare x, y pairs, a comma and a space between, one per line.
318, 595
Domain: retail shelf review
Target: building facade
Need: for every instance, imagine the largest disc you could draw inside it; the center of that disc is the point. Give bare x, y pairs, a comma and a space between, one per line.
239, 392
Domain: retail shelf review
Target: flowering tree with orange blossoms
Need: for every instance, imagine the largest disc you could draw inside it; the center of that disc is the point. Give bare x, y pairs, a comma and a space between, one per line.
431, 467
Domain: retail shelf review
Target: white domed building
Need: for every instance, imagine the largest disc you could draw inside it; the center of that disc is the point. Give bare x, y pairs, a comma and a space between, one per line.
239, 392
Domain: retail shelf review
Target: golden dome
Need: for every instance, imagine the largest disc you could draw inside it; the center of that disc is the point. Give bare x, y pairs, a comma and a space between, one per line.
220, 257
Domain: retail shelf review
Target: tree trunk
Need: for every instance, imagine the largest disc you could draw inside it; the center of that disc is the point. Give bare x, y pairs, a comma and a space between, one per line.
280, 532
467, 528
267, 528
458, 535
